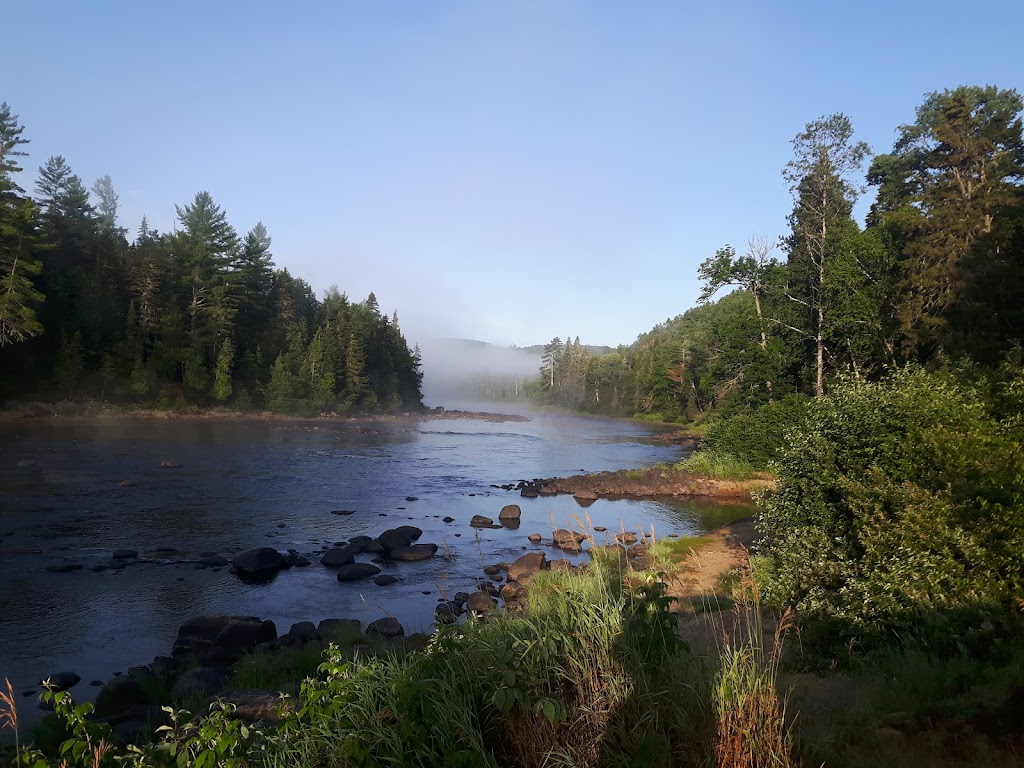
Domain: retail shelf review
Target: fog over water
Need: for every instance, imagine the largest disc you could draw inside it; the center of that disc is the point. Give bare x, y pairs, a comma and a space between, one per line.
454, 369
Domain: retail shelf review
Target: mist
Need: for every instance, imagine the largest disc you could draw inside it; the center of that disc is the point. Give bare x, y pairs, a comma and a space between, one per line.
464, 370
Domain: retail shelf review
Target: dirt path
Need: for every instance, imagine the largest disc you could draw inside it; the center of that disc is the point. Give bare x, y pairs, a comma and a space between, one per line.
696, 585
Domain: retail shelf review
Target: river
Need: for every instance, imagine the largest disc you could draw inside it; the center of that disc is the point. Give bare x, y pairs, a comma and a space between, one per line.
74, 491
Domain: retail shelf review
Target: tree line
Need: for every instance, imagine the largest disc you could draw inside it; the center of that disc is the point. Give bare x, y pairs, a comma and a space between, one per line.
935, 274
192, 317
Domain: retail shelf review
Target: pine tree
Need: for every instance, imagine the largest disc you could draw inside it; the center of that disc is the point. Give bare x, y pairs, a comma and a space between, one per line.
222, 372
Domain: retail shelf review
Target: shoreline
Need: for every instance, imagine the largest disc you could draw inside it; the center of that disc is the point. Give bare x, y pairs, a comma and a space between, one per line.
660, 481
59, 412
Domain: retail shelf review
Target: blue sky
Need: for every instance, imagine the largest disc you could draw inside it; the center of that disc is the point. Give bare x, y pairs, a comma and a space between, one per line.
507, 171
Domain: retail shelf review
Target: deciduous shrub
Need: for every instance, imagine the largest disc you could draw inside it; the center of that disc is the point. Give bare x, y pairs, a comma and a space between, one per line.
900, 507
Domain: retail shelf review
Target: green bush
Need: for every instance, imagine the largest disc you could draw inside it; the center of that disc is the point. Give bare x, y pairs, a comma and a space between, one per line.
900, 507
756, 437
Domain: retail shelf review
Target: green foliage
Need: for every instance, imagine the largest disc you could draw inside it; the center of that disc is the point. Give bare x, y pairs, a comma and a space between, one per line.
900, 507
757, 436
715, 465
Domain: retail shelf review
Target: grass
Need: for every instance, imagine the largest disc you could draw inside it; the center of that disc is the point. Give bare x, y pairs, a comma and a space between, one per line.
717, 466
279, 670
672, 554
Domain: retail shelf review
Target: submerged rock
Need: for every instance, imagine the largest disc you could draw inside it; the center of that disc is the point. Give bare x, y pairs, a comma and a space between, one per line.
414, 552
402, 536
356, 571
339, 556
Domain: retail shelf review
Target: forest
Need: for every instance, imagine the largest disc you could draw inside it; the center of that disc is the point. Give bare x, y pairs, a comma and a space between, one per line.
934, 277
196, 317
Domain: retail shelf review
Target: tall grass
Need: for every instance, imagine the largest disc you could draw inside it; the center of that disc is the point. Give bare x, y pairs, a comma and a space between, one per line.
752, 731
715, 465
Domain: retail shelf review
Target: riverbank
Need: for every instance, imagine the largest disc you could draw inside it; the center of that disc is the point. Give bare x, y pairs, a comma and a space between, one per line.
69, 411
660, 481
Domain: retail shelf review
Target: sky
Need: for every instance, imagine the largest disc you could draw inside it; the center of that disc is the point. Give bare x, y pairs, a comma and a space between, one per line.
502, 171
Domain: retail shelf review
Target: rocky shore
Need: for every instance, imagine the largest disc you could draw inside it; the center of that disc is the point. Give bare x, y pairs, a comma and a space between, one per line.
654, 482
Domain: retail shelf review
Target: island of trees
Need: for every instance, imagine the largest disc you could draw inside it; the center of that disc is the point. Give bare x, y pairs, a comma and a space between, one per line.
195, 317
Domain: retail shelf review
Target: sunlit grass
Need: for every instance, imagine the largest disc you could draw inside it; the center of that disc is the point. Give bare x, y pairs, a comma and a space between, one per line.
713, 465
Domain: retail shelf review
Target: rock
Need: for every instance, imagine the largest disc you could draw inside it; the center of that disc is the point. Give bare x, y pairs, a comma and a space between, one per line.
496, 577
490, 570
412, 498
345, 512
479, 521
600, 528
99, 568
446, 613
302, 631
218, 561
338, 556
96, 683
373, 547
414, 552
584, 495
356, 571
61, 681
448, 519
513, 594
527, 566
510, 512
402, 536
529, 493
169, 464
534, 537
568, 541
259, 565
221, 637
340, 629
125, 554
387, 627
162, 665
359, 541
626, 538
119, 695
295, 560
480, 603
63, 567
126, 483
205, 680
562, 565
385, 580
253, 705
460, 599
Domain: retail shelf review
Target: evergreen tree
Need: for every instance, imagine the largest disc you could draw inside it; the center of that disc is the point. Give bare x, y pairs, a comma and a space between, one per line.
825, 157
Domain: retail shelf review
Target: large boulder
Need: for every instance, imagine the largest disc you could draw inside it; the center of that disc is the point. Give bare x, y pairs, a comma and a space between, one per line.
414, 552
387, 627
335, 557
510, 512
258, 565
527, 566
356, 571
402, 536
252, 705
222, 637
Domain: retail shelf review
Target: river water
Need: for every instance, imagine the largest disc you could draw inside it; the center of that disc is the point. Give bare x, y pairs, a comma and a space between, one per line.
274, 483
